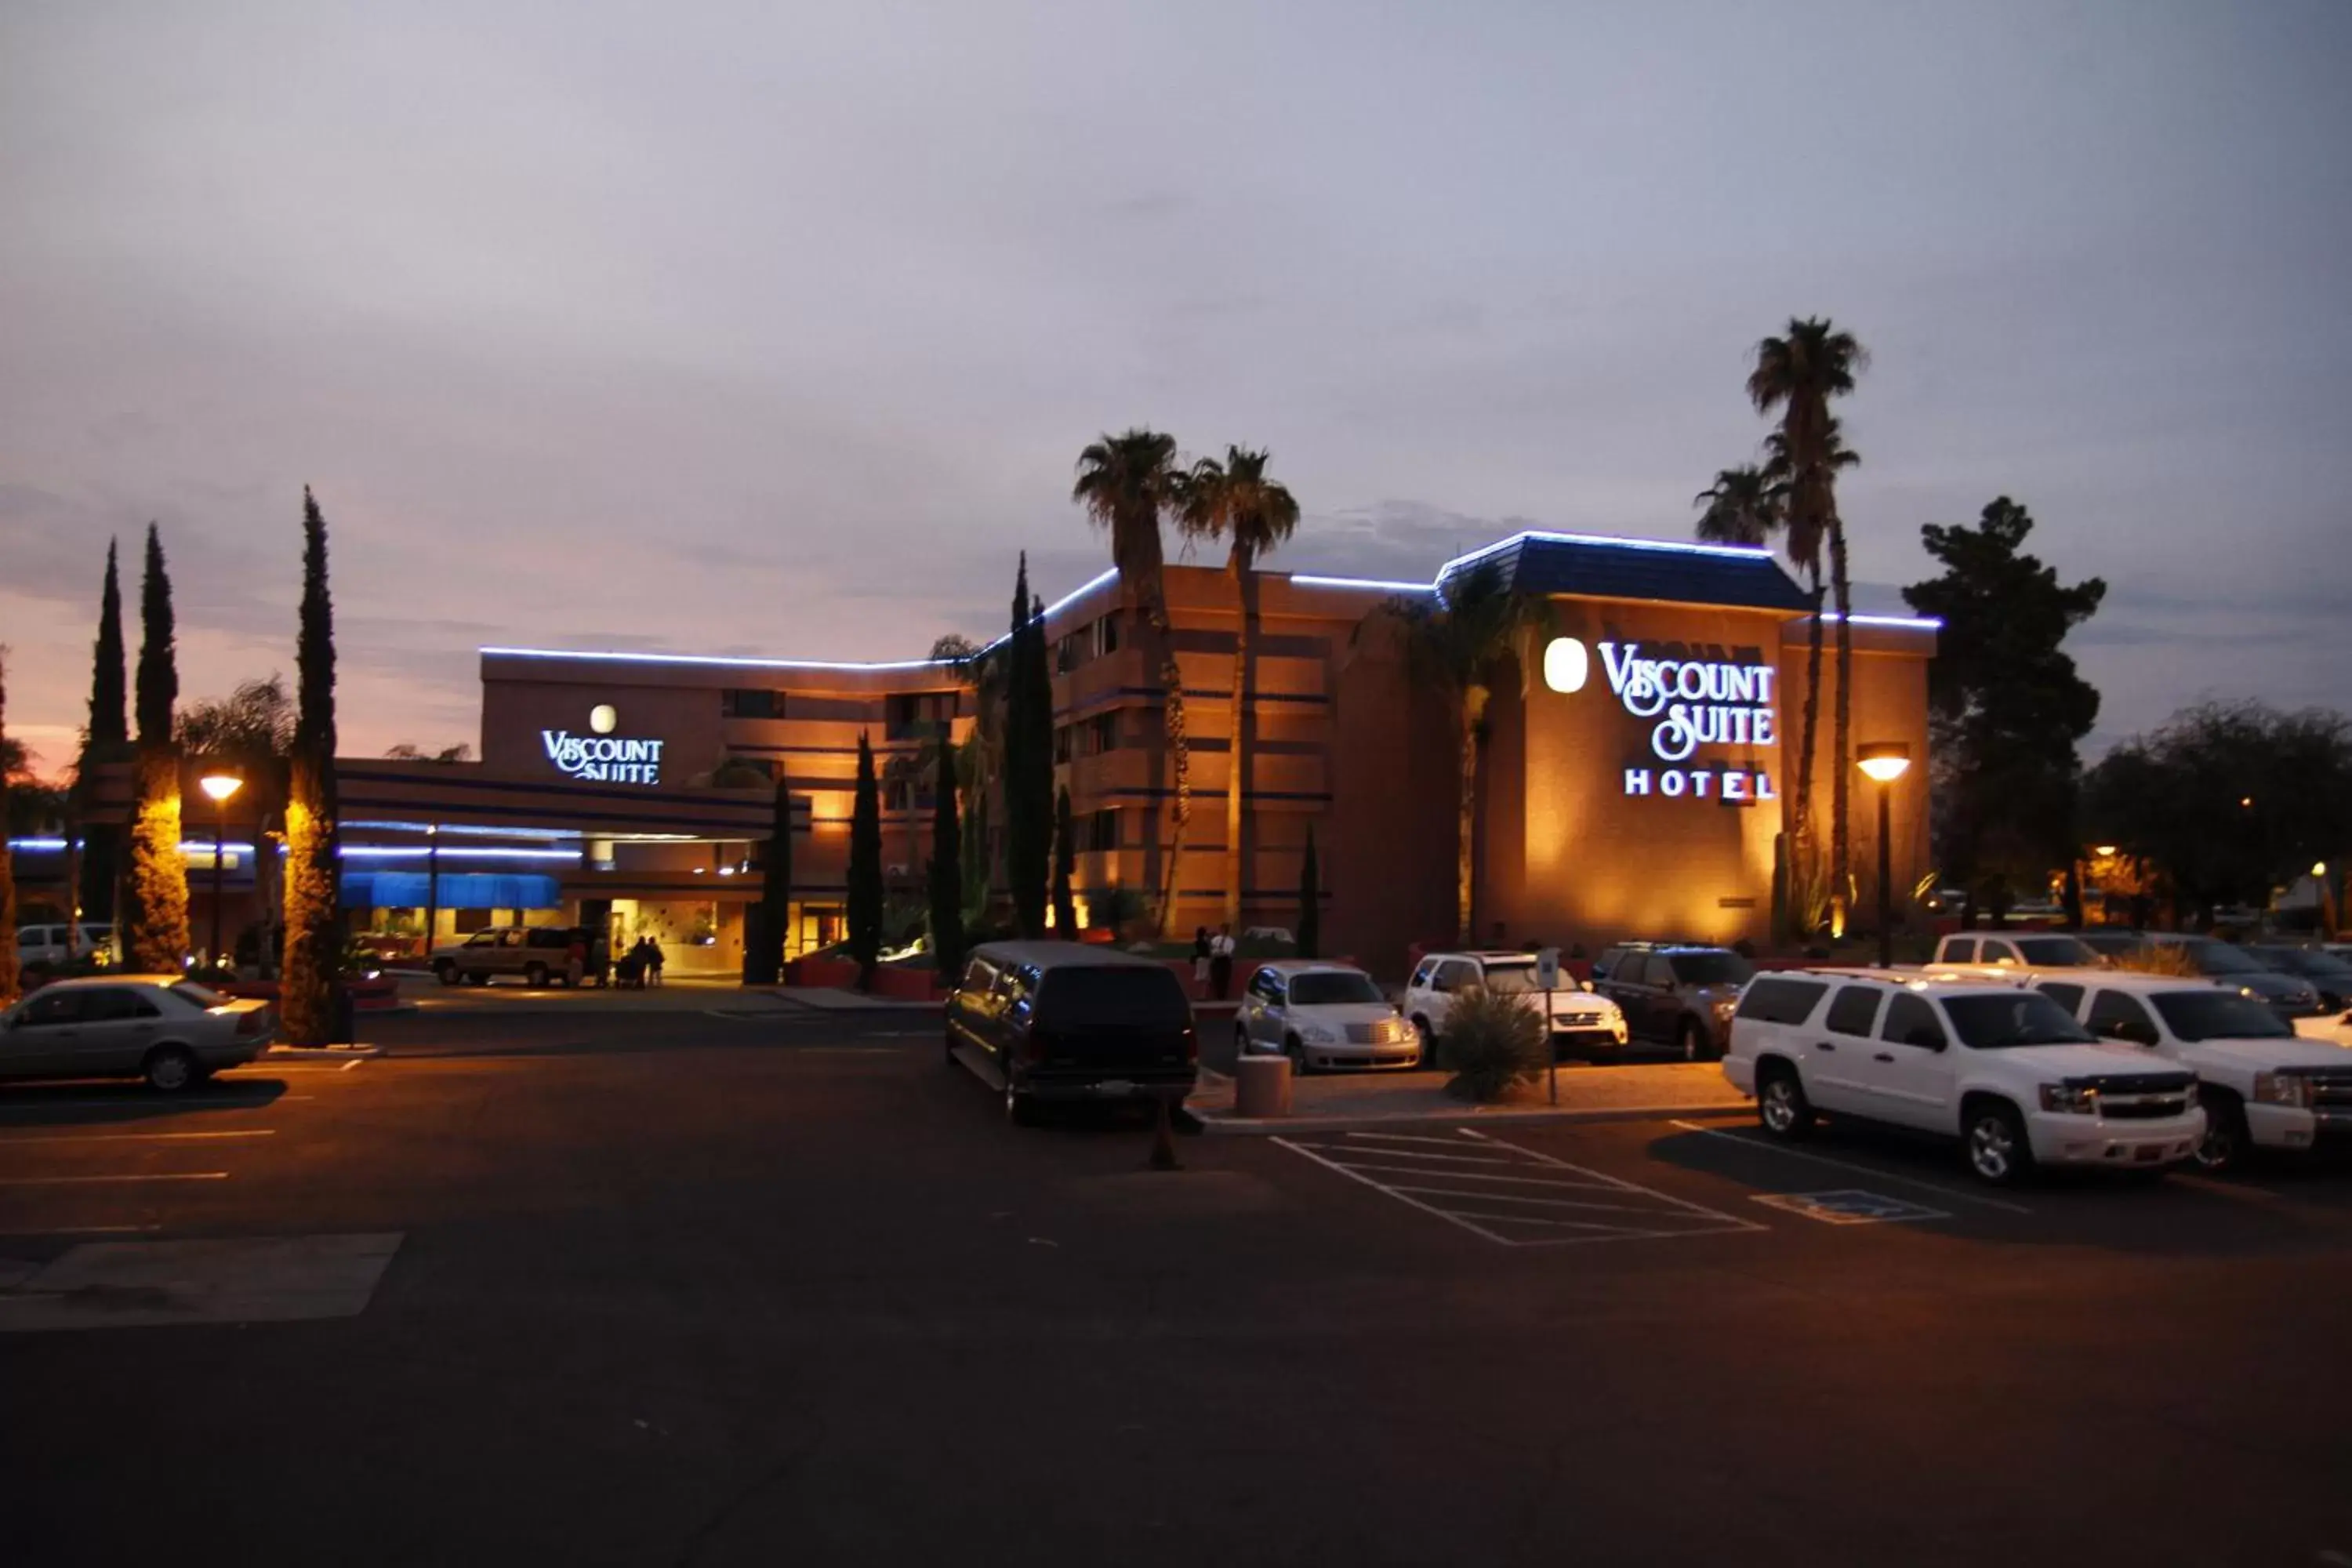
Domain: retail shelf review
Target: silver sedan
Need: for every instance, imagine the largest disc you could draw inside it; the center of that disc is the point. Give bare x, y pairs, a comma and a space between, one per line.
169, 1031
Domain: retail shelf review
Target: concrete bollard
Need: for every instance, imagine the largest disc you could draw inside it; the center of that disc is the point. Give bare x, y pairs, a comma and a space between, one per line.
1262, 1087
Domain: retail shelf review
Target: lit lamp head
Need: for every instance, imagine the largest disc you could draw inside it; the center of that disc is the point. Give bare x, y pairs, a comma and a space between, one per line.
2104, 851
220, 786
1883, 761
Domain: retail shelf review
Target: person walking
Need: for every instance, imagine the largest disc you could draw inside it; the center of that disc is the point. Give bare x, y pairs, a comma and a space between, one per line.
654, 961
575, 959
1221, 961
1200, 959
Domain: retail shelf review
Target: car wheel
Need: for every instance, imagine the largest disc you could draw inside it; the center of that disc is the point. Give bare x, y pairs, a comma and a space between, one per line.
169, 1070
2224, 1148
1296, 1052
1428, 1042
1692, 1039
446, 973
1997, 1149
1018, 1108
535, 976
1781, 1105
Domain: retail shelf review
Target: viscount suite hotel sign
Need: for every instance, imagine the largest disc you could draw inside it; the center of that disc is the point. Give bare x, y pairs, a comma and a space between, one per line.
1692, 702
603, 757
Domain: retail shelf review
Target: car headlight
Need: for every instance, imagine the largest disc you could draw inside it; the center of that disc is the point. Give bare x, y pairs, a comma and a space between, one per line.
2069, 1101
1723, 1008
2281, 1089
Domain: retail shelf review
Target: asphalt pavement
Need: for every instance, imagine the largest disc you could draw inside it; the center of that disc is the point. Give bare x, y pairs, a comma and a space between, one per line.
717, 1286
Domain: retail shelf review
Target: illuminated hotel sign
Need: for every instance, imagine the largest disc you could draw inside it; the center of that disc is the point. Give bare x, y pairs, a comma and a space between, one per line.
603, 757
1694, 703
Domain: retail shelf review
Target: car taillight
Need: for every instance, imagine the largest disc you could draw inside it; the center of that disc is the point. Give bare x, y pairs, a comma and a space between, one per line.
1192, 1043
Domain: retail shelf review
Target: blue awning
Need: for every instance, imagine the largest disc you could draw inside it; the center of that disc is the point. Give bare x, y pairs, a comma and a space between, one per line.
459, 890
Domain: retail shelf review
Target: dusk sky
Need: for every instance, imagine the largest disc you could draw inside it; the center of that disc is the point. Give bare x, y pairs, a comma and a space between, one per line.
777, 329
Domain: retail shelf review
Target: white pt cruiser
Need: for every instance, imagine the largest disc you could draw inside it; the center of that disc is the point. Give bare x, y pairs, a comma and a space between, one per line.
2006, 1070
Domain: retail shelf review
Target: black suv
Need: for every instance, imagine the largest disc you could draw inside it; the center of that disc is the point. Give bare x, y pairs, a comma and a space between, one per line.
1042, 1021
1679, 993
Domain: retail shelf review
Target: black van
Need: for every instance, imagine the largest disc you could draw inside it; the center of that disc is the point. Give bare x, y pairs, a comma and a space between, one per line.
1060, 1021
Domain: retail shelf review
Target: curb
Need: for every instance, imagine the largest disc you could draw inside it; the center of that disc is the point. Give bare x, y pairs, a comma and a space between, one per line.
1224, 1123
319, 1053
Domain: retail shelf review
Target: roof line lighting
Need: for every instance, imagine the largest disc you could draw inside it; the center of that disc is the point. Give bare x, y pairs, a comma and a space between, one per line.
1106, 574
1312, 582
719, 661
1676, 546
463, 828
419, 851
1915, 623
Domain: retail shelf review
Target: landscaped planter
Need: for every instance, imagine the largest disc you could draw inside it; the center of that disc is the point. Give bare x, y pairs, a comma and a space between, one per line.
901, 982
838, 973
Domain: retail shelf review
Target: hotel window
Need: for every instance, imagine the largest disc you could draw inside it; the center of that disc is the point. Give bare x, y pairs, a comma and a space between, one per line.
1101, 830
909, 715
1102, 733
742, 702
1106, 634
1070, 652
1062, 737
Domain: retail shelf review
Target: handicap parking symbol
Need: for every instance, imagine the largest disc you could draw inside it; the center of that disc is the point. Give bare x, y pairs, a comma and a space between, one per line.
1848, 1206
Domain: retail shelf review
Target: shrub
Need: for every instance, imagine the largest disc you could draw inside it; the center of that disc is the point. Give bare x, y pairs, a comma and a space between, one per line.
1493, 1041
2157, 958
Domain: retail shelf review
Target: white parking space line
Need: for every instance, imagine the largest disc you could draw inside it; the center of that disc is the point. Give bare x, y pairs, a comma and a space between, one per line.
1404, 1138
1475, 1194
139, 1137
94, 1181
1752, 1141
85, 1230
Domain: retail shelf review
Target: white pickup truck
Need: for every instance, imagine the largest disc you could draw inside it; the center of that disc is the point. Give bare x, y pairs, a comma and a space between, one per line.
2263, 1085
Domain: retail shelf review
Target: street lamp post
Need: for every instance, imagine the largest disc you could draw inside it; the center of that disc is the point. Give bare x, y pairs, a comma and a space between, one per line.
1885, 761
220, 786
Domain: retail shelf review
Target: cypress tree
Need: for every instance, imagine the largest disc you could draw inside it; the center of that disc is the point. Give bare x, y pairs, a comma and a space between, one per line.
947, 871
313, 920
9, 974
1310, 902
154, 934
763, 957
106, 739
865, 867
1028, 762
1065, 860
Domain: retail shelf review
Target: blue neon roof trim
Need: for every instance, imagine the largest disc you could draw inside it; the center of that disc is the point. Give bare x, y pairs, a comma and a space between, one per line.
1914, 623
419, 852
1658, 571
1676, 546
1388, 587
705, 659
463, 828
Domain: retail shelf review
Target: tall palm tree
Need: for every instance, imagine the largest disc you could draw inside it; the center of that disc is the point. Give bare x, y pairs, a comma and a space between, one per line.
1742, 508
1797, 373
1127, 482
1457, 639
1236, 502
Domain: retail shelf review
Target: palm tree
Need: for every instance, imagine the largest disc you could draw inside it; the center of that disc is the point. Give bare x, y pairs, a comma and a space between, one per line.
1742, 508
1457, 639
1126, 483
1797, 373
1236, 502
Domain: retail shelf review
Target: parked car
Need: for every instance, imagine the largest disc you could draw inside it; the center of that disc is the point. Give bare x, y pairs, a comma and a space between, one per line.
169, 1031
1681, 994
2003, 1068
1322, 1015
1048, 1021
537, 953
2329, 975
1581, 1020
2034, 950
2219, 962
2260, 1085
46, 944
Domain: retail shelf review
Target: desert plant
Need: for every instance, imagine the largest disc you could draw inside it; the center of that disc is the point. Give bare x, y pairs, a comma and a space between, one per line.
1492, 1042
2167, 958
1114, 908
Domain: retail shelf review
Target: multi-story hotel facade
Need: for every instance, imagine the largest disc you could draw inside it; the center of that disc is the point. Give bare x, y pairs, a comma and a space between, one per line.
1637, 764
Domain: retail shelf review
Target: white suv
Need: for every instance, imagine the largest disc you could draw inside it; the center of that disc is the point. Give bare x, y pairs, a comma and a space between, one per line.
2259, 1083
2031, 950
1580, 1021
2004, 1069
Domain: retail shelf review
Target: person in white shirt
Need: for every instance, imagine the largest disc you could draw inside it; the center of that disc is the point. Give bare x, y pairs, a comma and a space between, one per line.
1221, 961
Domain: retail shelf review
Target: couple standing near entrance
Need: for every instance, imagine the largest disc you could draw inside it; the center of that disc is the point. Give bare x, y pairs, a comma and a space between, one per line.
1212, 960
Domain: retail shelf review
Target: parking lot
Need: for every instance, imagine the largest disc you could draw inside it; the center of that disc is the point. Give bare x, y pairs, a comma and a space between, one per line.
727, 1288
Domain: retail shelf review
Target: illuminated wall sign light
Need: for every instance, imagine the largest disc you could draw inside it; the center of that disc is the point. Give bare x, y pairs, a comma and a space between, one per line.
603, 757
1694, 701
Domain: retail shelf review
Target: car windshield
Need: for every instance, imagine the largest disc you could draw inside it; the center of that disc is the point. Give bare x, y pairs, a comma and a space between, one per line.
189, 990
1332, 988
2218, 1015
1712, 969
2061, 951
1511, 979
2219, 958
1996, 1020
